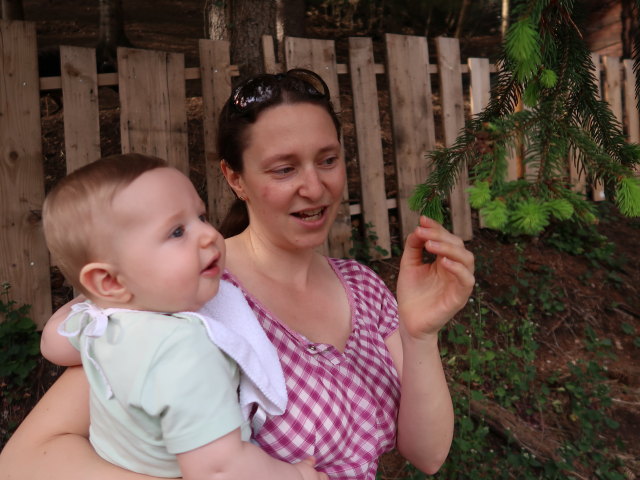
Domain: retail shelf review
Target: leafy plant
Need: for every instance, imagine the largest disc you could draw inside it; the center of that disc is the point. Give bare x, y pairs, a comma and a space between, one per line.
365, 248
19, 344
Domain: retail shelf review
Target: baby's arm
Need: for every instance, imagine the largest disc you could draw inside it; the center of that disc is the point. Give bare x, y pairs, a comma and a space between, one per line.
53, 346
230, 458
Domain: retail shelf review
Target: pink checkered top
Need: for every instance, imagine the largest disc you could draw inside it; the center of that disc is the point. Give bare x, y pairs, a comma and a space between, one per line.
342, 406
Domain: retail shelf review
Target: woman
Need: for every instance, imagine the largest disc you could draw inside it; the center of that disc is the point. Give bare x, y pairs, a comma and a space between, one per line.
363, 374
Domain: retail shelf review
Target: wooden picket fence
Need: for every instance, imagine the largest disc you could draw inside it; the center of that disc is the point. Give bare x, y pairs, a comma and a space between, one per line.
153, 120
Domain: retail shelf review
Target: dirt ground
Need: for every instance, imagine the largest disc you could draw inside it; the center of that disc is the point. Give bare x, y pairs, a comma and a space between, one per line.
599, 298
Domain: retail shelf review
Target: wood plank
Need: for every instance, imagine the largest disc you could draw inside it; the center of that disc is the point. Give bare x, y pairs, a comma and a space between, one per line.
597, 189
320, 57
479, 90
448, 51
81, 108
613, 86
24, 262
215, 65
411, 117
632, 121
369, 140
269, 56
153, 116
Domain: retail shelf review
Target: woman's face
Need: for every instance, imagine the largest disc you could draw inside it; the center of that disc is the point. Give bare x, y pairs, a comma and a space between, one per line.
293, 175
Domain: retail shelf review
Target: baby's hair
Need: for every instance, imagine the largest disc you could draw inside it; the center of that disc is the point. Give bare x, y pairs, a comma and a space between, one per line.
72, 208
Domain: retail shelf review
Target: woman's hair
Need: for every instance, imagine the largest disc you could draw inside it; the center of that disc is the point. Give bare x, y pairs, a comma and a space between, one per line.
72, 209
247, 101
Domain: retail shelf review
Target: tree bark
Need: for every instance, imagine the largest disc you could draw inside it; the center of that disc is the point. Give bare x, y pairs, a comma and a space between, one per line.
12, 10
250, 20
111, 33
504, 23
630, 27
244, 22
216, 16
461, 17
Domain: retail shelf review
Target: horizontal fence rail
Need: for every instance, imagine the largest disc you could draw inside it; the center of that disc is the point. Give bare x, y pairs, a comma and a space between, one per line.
427, 106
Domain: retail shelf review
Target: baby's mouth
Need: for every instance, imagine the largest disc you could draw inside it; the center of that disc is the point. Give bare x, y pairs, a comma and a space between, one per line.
310, 215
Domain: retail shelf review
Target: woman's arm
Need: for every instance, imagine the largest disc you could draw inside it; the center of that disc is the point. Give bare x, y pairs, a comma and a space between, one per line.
230, 458
428, 297
52, 442
53, 346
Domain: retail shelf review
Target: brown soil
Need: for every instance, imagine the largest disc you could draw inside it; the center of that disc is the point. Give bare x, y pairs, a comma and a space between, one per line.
596, 296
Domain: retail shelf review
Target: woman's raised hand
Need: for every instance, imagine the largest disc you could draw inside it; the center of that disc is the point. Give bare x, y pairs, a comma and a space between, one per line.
429, 294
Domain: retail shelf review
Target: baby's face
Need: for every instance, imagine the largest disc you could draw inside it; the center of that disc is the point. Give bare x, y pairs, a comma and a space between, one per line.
165, 251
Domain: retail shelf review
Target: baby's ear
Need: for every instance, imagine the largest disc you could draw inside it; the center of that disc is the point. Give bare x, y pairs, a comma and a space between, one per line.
101, 282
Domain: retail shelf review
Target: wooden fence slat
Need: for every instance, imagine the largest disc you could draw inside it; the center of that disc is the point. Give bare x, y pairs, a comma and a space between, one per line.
320, 57
411, 117
597, 190
613, 86
81, 108
632, 115
269, 62
369, 139
153, 116
448, 50
215, 65
479, 89
24, 260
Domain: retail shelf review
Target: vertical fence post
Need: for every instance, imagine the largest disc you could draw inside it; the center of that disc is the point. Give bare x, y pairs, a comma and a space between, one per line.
411, 117
24, 261
215, 70
81, 108
369, 140
153, 115
453, 122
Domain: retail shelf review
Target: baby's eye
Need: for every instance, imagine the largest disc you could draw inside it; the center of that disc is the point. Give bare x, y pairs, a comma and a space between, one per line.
203, 218
177, 232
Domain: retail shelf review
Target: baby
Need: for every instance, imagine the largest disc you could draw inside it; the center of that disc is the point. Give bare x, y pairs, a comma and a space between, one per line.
171, 390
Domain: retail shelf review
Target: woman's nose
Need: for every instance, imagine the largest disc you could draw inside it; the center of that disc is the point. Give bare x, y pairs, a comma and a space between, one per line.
312, 186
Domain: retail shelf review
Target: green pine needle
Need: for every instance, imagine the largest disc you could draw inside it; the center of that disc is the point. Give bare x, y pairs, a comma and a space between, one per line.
530, 217
479, 195
523, 48
495, 215
560, 208
628, 196
548, 78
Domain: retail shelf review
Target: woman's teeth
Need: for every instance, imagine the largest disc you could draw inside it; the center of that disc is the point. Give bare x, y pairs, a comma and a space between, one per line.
310, 215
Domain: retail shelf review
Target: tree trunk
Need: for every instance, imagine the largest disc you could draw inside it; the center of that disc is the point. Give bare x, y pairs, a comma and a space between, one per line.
250, 20
244, 22
111, 33
12, 10
504, 24
461, 17
630, 27
216, 17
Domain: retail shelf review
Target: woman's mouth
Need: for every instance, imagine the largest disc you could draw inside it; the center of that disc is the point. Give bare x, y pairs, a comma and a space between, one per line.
310, 215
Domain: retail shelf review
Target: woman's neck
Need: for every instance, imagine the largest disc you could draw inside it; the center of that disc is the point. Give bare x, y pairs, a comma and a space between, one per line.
248, 252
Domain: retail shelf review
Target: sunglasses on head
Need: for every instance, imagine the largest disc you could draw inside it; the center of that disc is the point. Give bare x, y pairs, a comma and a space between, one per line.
264, 88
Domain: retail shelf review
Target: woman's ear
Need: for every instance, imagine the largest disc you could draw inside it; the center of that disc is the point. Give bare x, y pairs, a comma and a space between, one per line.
233, 179
101, 282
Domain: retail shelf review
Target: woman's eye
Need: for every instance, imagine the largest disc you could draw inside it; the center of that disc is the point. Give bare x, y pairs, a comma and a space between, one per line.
329, 161
177, 232
282, 171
